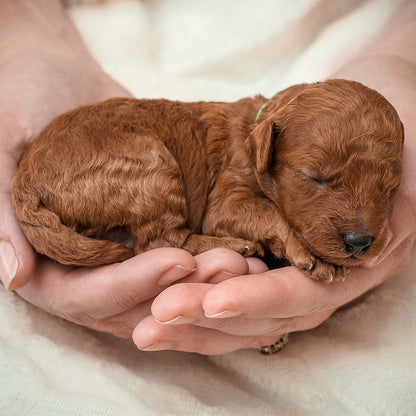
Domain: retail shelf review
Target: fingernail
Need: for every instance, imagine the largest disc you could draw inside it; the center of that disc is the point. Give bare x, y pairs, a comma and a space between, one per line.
177, 272
180, 319
159, 345
8, 263
224, 314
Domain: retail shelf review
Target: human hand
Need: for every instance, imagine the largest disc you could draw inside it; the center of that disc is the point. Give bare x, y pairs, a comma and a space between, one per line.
116, 297
255, 310
42, 75
252, 311
46, 70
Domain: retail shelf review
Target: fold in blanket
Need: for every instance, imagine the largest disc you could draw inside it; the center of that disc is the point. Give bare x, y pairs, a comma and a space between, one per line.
360, 362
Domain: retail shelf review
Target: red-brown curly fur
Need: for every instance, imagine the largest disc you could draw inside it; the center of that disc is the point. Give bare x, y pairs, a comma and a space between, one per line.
321, 162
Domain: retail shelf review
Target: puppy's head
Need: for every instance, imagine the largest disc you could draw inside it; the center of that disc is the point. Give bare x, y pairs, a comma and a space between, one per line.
329, 156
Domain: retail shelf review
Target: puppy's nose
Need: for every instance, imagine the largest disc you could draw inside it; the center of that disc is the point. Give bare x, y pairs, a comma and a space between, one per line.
357, 244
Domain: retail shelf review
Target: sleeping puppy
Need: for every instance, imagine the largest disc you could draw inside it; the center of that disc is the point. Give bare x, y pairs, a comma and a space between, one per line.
308, 175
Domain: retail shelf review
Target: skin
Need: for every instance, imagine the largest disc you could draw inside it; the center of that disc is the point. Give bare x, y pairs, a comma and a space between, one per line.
223, 301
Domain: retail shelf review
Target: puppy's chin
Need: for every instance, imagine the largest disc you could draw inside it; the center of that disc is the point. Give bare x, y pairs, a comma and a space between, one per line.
330, 249
367, 260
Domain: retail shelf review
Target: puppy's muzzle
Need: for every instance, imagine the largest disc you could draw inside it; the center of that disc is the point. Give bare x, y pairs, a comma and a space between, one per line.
357, 244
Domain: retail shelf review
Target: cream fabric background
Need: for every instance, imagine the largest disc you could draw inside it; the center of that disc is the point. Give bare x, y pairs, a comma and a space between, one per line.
360, 362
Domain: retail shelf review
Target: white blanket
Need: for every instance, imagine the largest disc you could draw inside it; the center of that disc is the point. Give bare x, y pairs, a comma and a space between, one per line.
362, 361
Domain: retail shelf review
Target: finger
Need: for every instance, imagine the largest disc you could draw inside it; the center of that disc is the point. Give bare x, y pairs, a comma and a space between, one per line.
217, 265
149, 335
181, 301
82, 294
182, 304
17, 260
256, 266
280, 293
257, 327
287, 292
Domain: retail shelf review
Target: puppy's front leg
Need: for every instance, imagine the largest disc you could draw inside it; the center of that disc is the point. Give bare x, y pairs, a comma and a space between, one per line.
288, 245
244, 214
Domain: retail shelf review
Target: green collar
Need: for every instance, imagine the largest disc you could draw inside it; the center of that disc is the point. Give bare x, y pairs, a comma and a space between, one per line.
261, 109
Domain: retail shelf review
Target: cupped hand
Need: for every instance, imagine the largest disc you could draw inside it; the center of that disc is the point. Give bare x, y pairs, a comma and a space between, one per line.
254, 310
115, 298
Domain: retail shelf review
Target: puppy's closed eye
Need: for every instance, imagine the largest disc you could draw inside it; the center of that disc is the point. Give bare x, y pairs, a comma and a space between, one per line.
314, 177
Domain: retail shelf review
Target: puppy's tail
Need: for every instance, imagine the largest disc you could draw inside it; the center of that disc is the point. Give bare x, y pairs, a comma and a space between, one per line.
45, 231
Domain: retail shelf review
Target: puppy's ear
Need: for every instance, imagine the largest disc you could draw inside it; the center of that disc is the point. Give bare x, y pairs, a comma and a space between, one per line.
260, 144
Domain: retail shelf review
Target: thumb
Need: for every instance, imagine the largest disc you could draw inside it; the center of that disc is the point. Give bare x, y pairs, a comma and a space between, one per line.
17, 259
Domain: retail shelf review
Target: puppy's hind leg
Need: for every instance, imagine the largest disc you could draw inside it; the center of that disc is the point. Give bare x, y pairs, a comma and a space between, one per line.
170, 230
182, 237
158, 208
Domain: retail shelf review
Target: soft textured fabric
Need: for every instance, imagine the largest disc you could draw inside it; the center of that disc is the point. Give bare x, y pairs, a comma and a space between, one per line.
361, 361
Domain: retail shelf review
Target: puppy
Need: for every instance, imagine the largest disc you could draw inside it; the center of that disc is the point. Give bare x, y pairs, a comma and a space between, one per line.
308, 175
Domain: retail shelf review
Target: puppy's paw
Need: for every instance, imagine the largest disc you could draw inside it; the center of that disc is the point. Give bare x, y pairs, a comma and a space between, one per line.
327, 272
314, 267
196, 244
248, 248
297, 255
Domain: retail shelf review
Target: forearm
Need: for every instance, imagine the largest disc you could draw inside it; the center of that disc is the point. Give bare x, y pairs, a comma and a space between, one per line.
388, 65
43, 61
40, 25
